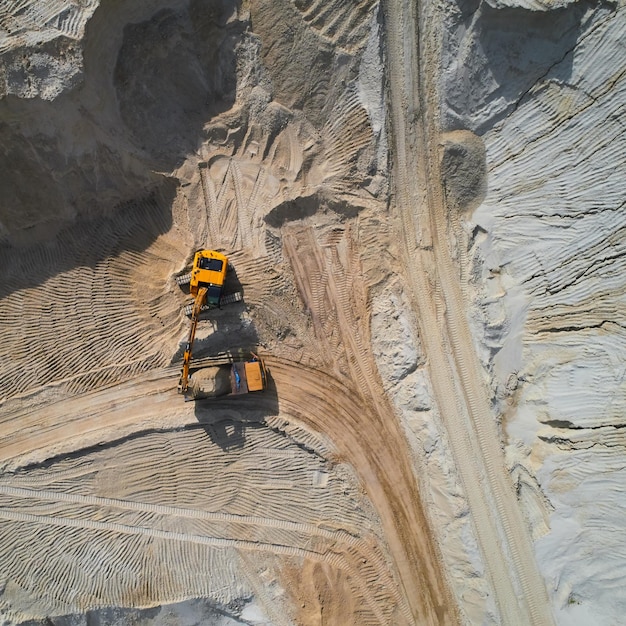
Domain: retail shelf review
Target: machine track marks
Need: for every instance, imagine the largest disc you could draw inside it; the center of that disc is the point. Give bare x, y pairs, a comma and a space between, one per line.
195, 505
96, 299
461, 395
371, 442
210, 203
345, 26
22, 21
339, 298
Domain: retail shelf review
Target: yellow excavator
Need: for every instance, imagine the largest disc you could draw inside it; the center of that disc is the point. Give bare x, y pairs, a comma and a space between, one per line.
206, 283
208, 271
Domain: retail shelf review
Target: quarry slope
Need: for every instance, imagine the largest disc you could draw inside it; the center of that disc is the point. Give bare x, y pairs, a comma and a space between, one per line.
299, 504
460, 394
422, 207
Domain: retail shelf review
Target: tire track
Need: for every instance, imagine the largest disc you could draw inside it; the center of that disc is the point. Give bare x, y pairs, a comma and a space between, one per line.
345, 26
32, 431
218, 542
359, 558
505, 545
251, 520
243, 217
312, 397
89, 304
377, 420
210, 204
377, 451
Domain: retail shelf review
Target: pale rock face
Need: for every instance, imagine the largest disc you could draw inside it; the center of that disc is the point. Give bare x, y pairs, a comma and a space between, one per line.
372, 97
546, 94
396, 351
531, 5
41, 56
494, 56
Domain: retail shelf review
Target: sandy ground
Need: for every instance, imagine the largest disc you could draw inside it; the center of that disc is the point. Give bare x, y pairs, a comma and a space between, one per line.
98, 454
372, 483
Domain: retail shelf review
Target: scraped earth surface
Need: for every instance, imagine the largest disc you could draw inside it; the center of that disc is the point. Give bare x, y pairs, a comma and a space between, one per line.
422, 206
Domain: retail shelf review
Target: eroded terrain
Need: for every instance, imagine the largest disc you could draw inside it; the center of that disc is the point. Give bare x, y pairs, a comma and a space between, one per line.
431, 299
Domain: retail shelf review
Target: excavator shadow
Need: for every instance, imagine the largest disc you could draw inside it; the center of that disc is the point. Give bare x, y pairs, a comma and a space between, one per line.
225, 420
232, 284
223, 332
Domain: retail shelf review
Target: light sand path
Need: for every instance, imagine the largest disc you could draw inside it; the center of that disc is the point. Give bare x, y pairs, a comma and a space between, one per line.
461, 394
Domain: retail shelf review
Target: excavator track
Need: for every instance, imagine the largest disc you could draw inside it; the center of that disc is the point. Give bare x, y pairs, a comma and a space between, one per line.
183, 280
231, 298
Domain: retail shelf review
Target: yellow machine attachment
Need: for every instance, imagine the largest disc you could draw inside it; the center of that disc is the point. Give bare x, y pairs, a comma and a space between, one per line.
183, 384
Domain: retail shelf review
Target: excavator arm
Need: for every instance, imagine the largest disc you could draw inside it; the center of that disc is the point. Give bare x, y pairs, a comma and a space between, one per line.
183, 383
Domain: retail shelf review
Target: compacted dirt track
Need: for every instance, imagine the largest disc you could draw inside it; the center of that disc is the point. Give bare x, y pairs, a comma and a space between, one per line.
380, 455
461, 394
361, 432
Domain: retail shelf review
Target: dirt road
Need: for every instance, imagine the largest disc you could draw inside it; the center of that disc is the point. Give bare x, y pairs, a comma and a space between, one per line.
364, 436
461, 393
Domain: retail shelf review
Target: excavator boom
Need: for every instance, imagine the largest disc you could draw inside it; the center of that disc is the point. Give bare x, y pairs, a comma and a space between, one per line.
183, 384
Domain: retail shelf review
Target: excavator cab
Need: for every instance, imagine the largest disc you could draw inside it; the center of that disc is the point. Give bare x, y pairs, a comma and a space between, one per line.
209, 271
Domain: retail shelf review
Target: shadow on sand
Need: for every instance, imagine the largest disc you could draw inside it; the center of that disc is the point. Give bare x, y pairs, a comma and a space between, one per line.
226, 419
